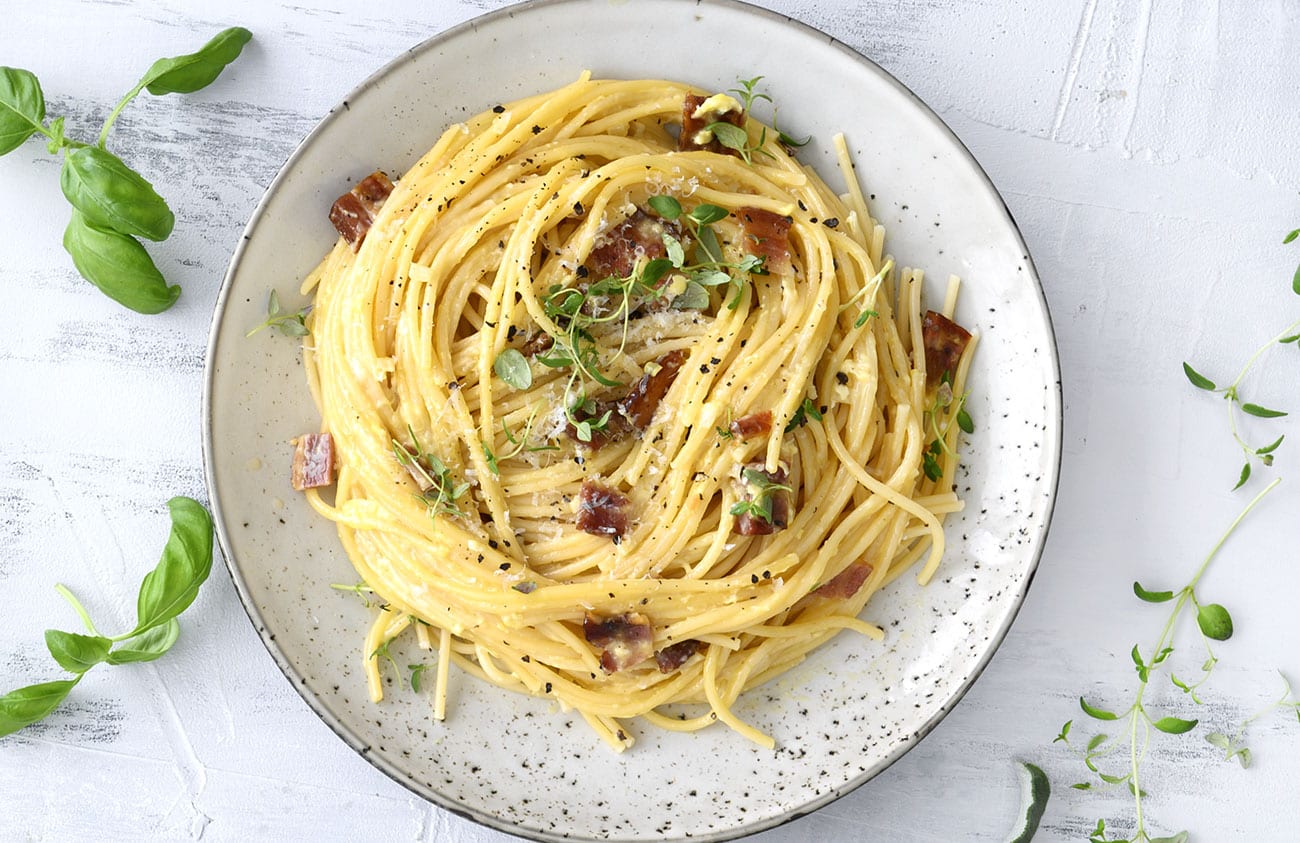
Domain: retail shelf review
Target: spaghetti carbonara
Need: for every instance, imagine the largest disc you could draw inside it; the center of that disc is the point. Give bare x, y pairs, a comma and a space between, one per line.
629, 408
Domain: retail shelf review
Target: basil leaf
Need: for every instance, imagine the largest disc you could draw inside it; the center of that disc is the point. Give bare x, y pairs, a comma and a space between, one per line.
22, 107
186, 561
665, 206
1291, 236
119, 266
189, 73
1214, 621
1151, 596
1198, 380
111, 195
76, 653
148, 645
512, 367
1174, 725
1261, 412
25, 706
1097, 713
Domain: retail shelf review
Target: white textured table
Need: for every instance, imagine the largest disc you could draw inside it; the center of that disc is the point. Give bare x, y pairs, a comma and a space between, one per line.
1150, 150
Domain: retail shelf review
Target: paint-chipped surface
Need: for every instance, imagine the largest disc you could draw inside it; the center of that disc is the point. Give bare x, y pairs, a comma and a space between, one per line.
1147, 149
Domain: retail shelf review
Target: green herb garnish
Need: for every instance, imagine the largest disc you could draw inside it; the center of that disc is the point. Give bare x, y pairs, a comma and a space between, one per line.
807, 410
1263, 454
166, 592
762, 505
512, 367
290, 323
955, 410
1214, 624
438, 489
113, 205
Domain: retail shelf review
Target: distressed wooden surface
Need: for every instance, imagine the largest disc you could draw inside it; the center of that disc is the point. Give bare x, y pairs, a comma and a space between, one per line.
1148, 149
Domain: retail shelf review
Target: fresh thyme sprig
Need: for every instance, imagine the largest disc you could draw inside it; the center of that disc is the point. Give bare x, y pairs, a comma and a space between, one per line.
438, 488
1263, 454
578, 313
763, 502
709, 268
1214, 624
737, 138
943, 404
807, 410
290, 323
361, 590
519, 443
1234, 747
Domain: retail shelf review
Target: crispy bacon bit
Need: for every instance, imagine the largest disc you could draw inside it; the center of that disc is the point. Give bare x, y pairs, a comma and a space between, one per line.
767, 235
602, 511
313, 461
639, 405
695, 120
750, 524
537, 343
675, 655
354, 211
625, 640
638, 236
944, 341
752, 425
846, 583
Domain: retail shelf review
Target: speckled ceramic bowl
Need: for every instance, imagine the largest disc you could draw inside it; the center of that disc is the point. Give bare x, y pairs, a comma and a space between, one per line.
853, 707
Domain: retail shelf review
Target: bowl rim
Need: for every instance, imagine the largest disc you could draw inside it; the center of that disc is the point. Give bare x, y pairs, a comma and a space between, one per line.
298, 681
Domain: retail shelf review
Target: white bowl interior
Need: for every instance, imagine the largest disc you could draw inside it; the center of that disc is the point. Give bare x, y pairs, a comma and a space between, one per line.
854, 706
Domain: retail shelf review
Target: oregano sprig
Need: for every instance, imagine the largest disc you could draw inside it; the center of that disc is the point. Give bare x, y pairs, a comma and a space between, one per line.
166, 592
113, 205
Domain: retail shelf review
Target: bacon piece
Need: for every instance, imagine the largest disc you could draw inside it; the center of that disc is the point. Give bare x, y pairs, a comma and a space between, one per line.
693, 125
537, 343
748, 524
752, 425
675, 655
767, 235
313, 461
638, 236
625, 640
639, 405
602, 511
615, 428
846, 583
354, 211
944, 342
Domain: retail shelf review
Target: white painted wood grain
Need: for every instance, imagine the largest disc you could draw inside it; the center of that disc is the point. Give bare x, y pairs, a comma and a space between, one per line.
1149, 150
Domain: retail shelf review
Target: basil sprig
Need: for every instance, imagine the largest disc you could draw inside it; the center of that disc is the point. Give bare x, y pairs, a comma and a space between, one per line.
113, 205
166, 591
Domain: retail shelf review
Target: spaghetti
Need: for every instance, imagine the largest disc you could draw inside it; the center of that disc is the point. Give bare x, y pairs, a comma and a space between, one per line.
631, 412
